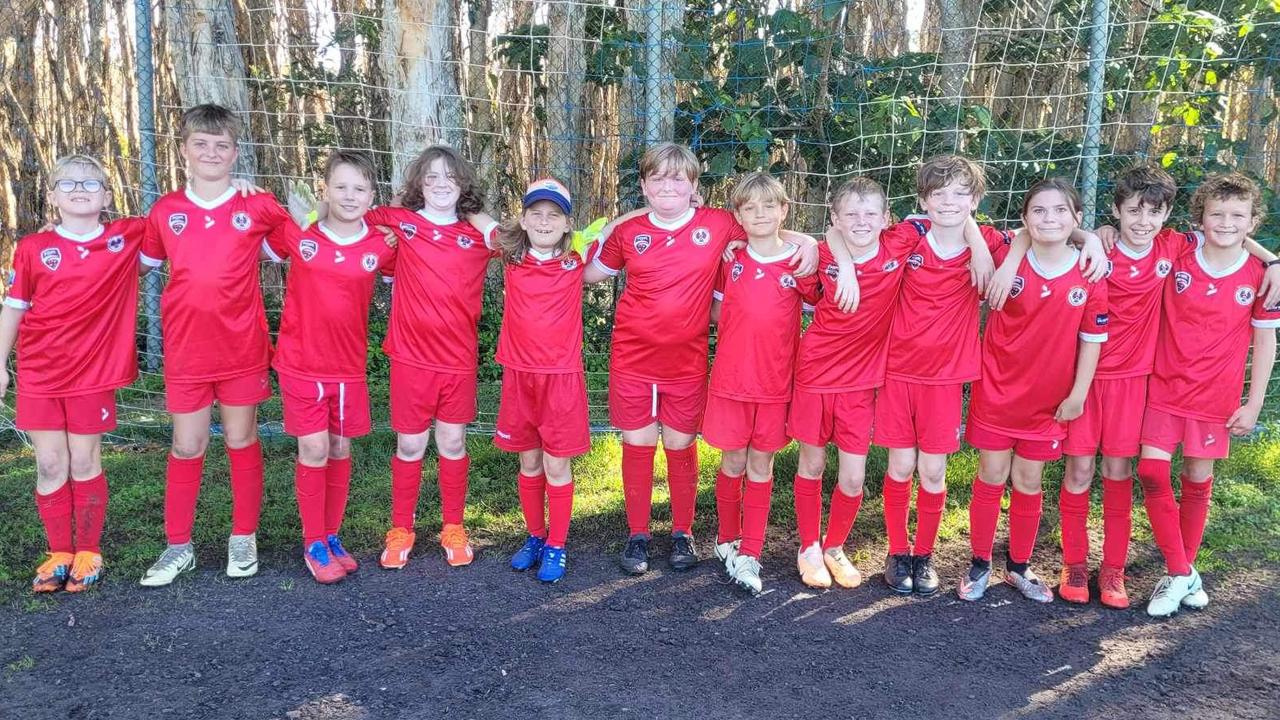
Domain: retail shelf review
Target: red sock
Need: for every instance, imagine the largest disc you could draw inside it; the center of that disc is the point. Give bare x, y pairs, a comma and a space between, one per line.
844, 511
309, 486
533, 492
559, 511
406, 483
755, 516
453, 488
1073, 514
929, 507
55, 512
89, 498
1024, 523
1193, 513
897, 503
181, 490
682, 480
728, 507
1162, 512
984, 514
808, 499
1117, 521
246, 488
337, 485
637, 485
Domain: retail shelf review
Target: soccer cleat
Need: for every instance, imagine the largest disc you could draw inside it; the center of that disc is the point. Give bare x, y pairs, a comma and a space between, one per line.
746, 573
323, 568
726, 552
924, 579
527, 556
395, 552
974, 584
551, 564
175, 560
242, 556
1029, 585
897, 573
1169, 593
1197, 599
86, 571
456, 545
1073, 583
53, 572
812, 567
1111, 588
683, 555
340, 554
635, 556
843, 572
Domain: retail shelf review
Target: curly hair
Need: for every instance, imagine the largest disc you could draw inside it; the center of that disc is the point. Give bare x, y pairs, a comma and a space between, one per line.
470, 189
1228, 186
1153, 186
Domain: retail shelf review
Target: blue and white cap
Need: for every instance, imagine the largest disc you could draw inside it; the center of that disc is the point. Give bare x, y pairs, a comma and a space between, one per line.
548, 189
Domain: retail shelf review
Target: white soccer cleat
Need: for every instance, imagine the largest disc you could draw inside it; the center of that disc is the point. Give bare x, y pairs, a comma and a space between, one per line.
745, 571
726, 552
1170, 592
242, 556
1197, 599
175, 560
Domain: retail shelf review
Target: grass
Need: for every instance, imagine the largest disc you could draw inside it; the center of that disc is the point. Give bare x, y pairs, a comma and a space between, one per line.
1244, 527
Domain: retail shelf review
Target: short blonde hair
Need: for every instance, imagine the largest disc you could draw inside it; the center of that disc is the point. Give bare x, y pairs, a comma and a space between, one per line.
667, 157
941, 171
758, 187
861, 186
1227, 186
65, 163
209, 118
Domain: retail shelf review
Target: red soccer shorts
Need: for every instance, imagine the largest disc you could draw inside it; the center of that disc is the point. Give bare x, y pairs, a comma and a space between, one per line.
1112, 418
90, 414
542, 410
312, 407
843, 418
248, 389
635, 404
736, 424
1038, 449
915, 415
1199, 438
419, 395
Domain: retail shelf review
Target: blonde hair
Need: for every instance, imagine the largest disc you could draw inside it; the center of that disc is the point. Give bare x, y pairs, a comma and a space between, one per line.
513, 240
667, 157
861, 186
211, 119
1227, 186
66, 162
943, 170
758, 187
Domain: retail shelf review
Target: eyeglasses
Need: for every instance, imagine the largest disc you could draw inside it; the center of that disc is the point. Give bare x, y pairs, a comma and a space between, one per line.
67, 185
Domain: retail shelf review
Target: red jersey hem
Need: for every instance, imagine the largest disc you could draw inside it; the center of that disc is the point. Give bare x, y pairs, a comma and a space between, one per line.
1018, 434
1121, 374
313, 377
73, 392
435, 368
932, 380
1184, 413
838, 390
655, 380
228, 375
541, 370
763, 399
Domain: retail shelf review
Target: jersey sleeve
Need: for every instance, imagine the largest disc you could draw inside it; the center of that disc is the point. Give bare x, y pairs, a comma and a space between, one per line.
902, 238
1263, 316
279, 241
726, 267
996, 239
1093, 326
22, 283
270, 212
810, 289
1174, 244
1000, 252
610, 259
153, 252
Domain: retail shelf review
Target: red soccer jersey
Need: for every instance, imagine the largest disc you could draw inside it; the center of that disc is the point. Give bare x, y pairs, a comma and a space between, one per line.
1205, 337
1029, 348
1135, 288
435, 304
759, 328
661, 322
935, 338
214, 324
843, 351
324, 328
542, 314
80, 293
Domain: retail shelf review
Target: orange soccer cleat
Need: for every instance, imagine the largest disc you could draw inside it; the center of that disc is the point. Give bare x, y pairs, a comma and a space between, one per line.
1111, 587
456, 545
396, 553
1073, 583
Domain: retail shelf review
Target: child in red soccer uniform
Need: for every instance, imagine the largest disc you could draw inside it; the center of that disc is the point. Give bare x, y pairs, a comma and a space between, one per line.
757, 307
1038, 358
73, 302
432, 340
658, 365
543, 412
216, 344
322, 348
1141, 260
1211, 310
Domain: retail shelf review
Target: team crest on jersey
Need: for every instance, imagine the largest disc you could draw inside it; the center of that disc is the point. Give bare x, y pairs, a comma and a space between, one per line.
177, 222
115, 243
1076, 296
891, 266
833, 271
642, 243
736, 272
915, 260
465, 242
369, 262
307, 249
51, 257
1244, 295
1016, 289
787, 281
1163, 267
701, 236
1181, 281
409, 229
569, 264
240, 221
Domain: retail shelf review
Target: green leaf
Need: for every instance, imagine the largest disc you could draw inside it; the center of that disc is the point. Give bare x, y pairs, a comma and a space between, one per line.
722, 163
1167, 159
1211, 77
1191, 117
1246, 27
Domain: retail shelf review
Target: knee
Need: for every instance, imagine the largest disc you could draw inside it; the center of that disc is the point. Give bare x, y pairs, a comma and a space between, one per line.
313, 451
85, 467
933, 476
733, 462
901, 466
339, 447
1079, 477
558, 470
812, 463
531, 465
851, 484
188, 448
411, 447
1026, 481
451, 442
52, 468
760, 465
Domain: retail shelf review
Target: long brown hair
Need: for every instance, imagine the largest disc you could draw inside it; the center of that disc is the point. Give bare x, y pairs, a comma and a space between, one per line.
470, 189
513, 240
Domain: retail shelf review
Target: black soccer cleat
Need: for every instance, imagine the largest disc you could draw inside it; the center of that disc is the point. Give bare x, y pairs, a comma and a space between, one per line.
897, 573
635, 556
683, 556
924, 579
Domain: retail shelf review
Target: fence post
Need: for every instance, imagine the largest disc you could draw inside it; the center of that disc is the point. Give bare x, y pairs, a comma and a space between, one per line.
1098, 36
151, 284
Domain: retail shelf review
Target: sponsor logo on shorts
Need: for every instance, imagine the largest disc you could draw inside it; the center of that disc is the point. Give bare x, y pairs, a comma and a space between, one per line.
307, 249
105, 413
503, 435
51, 257
178, 223
241, 221
1245, 295
915, 260
369, 261
1163, 267
642, 243
1076, 296
409, 229
1181, 281
115, 243
1016, 288
701, 236
1209, 440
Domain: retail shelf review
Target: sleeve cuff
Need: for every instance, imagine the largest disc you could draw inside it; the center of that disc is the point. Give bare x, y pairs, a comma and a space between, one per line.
1266, 324
16, 304
271, 254
1093, 337
150, 261
488, 235
604, 268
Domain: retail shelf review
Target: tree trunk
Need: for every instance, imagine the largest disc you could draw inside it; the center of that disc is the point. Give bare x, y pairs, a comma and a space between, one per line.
566, 66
